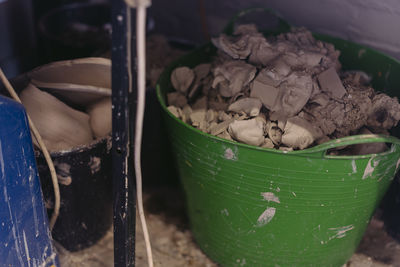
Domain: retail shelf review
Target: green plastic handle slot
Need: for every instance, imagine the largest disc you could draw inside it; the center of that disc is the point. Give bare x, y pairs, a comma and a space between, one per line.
351, 140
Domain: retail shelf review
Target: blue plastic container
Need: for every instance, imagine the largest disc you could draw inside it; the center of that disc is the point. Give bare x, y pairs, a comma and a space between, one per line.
25, 238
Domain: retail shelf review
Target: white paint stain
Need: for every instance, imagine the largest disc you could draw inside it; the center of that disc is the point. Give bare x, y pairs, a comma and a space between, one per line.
94, 164
340, 232
63, 173
225, 212
397, 164
26, 249
369, 169
1, 161
354, 166
269, 196
266, 216
32, 174
229, 154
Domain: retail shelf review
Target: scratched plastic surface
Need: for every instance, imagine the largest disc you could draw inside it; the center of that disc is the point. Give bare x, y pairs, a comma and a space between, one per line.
24, 236
250, 206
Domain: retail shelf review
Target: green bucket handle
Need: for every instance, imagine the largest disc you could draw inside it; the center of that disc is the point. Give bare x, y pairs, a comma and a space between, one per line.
321, 149
283, 25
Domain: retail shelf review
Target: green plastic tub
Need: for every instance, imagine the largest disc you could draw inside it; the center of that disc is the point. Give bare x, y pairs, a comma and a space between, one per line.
251, 206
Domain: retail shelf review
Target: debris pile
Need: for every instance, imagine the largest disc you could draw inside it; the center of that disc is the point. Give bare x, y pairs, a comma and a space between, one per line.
287, 92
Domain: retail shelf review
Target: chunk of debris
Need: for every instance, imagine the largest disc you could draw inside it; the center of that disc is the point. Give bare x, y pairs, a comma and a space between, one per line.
176, 99
177, 112
385, 112
247, 131
250, 106
299, 133
330, 82
182, 78
232, 76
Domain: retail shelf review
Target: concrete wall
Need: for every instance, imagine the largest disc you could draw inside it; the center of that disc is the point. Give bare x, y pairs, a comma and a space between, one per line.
375, 23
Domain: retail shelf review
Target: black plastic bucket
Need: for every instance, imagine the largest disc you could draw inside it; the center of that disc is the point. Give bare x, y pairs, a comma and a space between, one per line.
84, 176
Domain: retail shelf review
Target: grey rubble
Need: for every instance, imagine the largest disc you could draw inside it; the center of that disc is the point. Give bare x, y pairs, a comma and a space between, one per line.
286, 92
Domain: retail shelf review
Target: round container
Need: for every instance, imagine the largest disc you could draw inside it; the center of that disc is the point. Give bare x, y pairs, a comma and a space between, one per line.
84, 175
250, 206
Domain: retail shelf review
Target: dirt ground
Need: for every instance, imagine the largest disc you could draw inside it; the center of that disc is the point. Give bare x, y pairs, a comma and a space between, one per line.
173, 244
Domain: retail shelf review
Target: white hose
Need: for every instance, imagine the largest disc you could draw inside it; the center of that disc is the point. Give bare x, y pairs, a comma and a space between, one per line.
141, 95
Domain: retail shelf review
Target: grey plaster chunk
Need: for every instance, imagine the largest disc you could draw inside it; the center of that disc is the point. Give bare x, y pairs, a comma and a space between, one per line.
216, 105
200, 103
202, 70
176, 111
267, 94
281, 68
262, 53
321, 99
311, 59
250, 132
176, 99
186, 111
223, 116
294, 94
235, 47
225, 135
330, 82
182, 78
385, 112
211, 116
232, 76
241, 45
250, 106
217, 129
274, 133
268, 143
299, 133
198, 116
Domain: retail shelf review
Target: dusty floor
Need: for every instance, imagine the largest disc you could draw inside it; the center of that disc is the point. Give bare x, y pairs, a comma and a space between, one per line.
173, 244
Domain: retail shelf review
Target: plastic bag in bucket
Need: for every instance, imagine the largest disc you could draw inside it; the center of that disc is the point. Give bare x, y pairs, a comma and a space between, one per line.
250, 206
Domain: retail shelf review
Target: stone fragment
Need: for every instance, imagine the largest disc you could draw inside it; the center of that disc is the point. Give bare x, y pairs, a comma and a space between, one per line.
263, 89
232, 76
200, 103
186, 111
294, 94
299, 133
217, 129
385, 112
176, 111
198, 116
274, 133
330, 82
250, 106
176, 99
182, 78
225, 135
250, 132
268, 143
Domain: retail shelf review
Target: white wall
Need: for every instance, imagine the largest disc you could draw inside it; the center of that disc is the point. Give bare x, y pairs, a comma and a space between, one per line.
375, 23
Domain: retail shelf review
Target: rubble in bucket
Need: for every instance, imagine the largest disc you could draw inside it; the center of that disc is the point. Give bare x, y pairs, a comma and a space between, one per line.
287, 93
